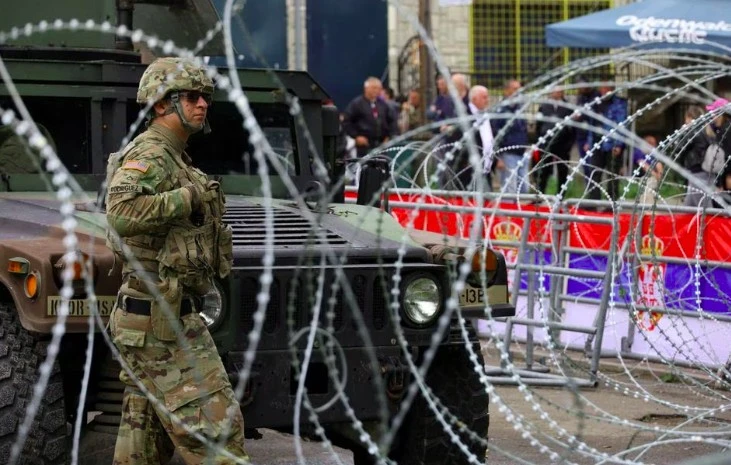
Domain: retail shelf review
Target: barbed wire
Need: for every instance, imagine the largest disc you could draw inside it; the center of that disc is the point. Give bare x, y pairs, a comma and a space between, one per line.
557, 443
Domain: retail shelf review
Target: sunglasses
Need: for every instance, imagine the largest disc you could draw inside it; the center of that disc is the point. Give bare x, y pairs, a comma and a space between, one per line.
192, 96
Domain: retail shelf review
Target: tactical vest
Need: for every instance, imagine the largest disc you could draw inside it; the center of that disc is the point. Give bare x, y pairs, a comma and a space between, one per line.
188, 256
191, 254
196, 251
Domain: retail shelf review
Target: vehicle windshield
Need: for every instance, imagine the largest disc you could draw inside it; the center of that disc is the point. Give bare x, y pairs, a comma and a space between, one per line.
66, 123
226, 149
84, 131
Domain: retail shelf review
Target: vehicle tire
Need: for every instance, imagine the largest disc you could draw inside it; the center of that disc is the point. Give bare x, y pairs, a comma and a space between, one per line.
452, 378
21, 354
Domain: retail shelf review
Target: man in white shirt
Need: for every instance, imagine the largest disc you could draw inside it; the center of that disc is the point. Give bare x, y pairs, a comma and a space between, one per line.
479, 100
460, 175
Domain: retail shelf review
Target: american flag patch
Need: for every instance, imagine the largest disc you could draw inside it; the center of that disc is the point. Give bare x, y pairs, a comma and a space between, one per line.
136, 165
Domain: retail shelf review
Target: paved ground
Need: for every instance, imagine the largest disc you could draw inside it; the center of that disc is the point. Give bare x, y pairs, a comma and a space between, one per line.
273, 449
598, 405
609, 402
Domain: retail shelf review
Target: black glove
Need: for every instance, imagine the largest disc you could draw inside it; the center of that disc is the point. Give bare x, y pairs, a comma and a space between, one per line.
195, 197
197, 217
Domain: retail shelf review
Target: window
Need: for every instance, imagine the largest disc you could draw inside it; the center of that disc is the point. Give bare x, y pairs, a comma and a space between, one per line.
226, 150
508, 37
66, 124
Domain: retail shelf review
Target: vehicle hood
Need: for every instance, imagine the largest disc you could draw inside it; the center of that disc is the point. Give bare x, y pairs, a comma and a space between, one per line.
355, 231
348, 230
29, 214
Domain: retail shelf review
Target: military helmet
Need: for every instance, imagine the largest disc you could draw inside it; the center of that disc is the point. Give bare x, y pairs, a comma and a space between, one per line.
171, 74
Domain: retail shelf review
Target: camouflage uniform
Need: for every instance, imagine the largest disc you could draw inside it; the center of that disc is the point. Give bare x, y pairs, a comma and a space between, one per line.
155, 200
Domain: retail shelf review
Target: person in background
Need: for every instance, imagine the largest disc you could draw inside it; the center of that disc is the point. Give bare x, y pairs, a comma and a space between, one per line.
692, 157
585, 94
411, 117
513, 143
558, 146
368, 119
721, 124
388, 96
479, 101
481, 134
720, 128
723, 185
654, 173
639, 155
345, 147
647, 166
707, 156
442, 108
609, 156
463, 88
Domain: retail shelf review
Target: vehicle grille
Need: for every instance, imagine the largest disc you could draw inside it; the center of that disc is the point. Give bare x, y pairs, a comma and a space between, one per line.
290, 228
298, 295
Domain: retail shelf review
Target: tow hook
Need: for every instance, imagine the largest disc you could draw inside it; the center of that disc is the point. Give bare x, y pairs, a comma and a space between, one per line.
394, 372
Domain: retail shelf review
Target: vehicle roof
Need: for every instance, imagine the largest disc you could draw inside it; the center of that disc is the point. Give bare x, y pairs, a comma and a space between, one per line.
48, 71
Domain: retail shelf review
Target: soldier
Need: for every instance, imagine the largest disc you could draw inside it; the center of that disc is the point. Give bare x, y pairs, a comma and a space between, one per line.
168, 214
16, 155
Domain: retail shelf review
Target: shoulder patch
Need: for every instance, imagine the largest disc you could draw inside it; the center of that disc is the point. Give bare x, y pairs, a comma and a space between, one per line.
136, 165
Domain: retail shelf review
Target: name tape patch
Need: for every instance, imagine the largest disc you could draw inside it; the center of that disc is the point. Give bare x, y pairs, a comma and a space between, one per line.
136, 165
125, 188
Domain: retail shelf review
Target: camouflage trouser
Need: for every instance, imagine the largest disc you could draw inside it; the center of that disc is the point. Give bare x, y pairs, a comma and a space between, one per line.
189, 382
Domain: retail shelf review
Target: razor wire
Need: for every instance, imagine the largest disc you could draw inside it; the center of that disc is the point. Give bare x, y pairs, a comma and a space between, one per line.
265, 156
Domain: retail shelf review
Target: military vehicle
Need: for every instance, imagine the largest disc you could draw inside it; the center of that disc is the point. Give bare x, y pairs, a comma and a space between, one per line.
80, 89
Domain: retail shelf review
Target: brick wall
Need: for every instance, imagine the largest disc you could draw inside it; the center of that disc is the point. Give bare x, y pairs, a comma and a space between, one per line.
450, 27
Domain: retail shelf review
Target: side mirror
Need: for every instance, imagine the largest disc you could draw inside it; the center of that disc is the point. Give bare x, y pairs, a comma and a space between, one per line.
375, 176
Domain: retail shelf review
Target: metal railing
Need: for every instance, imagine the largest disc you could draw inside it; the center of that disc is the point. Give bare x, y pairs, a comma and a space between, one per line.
560, 271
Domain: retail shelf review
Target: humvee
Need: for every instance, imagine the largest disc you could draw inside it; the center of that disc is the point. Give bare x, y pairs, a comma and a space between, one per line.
80, 90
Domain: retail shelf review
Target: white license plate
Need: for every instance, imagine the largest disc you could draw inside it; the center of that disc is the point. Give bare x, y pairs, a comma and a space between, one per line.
472, 296
81, 307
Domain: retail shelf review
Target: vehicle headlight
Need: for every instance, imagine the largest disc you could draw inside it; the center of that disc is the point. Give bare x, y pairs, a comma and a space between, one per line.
211, 307
422, 300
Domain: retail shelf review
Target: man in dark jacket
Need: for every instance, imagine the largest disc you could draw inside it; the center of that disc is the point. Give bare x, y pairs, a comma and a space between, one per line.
585, 95
388, 96
721, 129
723, 193
557, 147
460, 83
514, 141
609, 157
368, 119
694, 149
442, 108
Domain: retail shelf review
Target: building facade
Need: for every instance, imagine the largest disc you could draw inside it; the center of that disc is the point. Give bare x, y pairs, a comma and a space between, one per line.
490, 40
339, 42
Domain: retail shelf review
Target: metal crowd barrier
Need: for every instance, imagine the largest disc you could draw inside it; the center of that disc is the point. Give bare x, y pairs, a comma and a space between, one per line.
559, 272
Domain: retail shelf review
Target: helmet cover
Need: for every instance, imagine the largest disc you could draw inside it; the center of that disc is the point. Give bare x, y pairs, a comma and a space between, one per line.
171, 74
